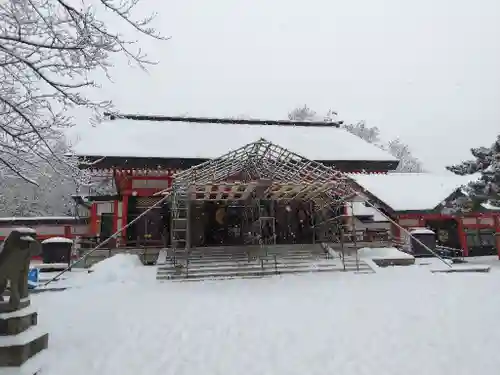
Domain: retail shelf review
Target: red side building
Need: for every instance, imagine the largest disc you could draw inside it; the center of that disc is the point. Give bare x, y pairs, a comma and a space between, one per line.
425, 200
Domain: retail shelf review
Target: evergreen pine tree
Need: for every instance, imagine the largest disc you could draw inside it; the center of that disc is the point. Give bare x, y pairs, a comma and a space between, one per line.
487, 163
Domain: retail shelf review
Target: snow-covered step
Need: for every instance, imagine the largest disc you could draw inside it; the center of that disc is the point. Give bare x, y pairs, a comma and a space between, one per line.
215, 278
236, 262
253, 267
162, 257
212, 268
218, 253
255, 248
299, 261
216, 261
211, 271
256, 274
209, 264
267, 260
296, 256
246, 258
254, 252
214, 258
214, 264
249, 273
238, 270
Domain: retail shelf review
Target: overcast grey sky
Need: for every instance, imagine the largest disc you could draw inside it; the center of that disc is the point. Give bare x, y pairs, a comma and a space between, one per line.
427, 71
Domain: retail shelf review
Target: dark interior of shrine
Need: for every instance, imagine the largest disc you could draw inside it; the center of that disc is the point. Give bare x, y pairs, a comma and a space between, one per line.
217, 223
226, 223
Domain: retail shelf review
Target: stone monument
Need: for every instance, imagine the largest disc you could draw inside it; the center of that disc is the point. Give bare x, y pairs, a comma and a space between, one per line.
21, 340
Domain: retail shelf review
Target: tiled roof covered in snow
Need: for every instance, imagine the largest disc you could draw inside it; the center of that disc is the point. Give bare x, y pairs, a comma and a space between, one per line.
411, 191
190, 140
360, 209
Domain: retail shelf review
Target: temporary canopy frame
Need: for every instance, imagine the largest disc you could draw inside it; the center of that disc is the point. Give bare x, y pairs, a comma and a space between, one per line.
265, 170
286, 174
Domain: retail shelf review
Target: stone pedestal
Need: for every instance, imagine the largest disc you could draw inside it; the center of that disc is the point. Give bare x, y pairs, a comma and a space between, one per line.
21, 340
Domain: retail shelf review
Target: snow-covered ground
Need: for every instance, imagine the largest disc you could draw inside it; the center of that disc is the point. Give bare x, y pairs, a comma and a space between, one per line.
401, 320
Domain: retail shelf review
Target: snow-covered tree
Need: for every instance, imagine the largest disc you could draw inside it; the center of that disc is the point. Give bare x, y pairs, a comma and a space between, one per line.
48, 50
58, 178
49, 190
302, 114
486, 189
407, 162
370, 134
307, 114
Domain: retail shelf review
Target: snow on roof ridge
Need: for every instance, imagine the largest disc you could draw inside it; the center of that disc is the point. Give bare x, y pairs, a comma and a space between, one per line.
220, 120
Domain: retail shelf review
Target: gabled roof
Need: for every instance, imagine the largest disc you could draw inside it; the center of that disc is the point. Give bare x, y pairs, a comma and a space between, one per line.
411, 191
268, 166
128, 138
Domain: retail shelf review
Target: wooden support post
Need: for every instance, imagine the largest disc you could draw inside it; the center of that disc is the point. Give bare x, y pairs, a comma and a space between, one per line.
497, 233
463, 237
95, 221
313, 222
116, 222
124, 218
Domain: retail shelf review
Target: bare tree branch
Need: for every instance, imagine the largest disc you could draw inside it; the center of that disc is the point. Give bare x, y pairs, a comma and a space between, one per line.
48, 50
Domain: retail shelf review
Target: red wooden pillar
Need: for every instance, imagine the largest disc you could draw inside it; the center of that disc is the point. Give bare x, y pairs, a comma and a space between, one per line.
94, 220
120, 209
396, 231
116, 225
497, 234
421, 221
67, 231
124, 218
463, 236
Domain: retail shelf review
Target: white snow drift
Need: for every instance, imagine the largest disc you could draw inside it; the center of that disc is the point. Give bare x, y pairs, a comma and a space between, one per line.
400, 320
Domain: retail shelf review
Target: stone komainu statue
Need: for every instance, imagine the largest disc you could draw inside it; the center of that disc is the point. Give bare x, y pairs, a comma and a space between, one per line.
15, 255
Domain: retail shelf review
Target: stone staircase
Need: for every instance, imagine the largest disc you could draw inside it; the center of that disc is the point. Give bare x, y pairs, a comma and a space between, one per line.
251, 262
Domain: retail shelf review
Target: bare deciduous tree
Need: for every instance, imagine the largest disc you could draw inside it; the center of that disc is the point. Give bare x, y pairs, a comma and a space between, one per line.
307, 114
302, 114
57, 180
407, 162
371, 134
48, 50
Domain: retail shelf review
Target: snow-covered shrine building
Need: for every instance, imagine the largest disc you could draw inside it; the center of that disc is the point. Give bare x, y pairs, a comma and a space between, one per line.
143, 153
418, 200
